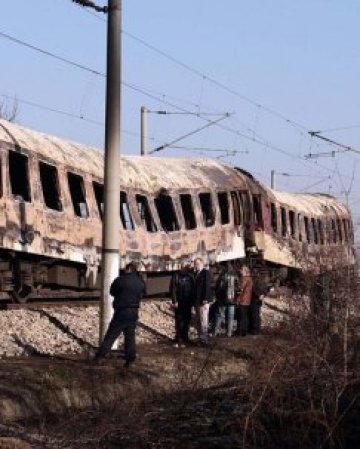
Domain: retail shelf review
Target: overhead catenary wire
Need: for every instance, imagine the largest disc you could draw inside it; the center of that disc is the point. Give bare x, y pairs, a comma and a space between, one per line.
210, 79
259, 140
71, 115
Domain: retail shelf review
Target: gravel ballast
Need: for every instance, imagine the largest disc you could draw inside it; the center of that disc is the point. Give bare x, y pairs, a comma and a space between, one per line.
64, 330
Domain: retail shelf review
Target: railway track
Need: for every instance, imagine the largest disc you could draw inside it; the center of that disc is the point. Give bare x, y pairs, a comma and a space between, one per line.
61, 302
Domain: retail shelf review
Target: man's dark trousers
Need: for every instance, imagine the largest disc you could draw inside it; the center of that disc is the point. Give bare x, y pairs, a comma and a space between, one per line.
182, 321
123, 320
254, 316
242, 320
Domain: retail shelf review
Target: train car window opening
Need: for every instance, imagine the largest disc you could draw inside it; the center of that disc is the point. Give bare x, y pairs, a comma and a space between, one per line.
224, 207
340, 233
300, 228
145, 213
257, 210
321, 231
207, 209
236, 208
187, 208
283, 222
49, 179
125, 213
166, 211
78, 195
314, 231
351, 231
99, 197
346, 233
333, 231
245, 203
307, 229
273, 217
1, 177
19, 175
292, 224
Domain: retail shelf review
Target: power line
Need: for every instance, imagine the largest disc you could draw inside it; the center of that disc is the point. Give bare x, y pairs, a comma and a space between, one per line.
205, 77
50, 109
52, 55
259, 140
70, 115
191, 133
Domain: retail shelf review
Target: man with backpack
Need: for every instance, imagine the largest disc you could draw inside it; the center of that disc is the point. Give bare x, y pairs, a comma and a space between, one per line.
182, 290
227, 289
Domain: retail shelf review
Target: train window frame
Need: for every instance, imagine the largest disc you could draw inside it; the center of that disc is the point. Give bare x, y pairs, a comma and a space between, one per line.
53, 173
274, 217
346, 231
300, 228
98, 190
283, 221
257, 211
207, 209
1, 176
223, 203
188, 211
307, 229
19, 182
145, 214
321, 231
164, 215
334, 236
314, 231
246, 206
292, 224
237, 210
126, 217
78, 206
339, 229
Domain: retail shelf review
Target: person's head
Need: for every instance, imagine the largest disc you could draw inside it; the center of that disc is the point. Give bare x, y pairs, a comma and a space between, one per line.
229, 267
245, 270
198, 264
131, 267
184, 267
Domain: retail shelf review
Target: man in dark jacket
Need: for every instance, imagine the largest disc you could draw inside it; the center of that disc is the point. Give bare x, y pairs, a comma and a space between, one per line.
203, 298
182, 289
227, 289
127, 290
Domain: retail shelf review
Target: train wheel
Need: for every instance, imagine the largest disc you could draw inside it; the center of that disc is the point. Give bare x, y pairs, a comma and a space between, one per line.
22, 294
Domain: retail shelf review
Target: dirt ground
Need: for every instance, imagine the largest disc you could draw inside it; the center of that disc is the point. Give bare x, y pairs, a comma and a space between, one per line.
36, 391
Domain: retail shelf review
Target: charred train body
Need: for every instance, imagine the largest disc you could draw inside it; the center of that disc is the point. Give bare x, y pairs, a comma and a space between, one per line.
171, 210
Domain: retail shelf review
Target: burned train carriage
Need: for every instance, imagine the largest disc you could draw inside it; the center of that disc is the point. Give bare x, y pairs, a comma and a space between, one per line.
171, 210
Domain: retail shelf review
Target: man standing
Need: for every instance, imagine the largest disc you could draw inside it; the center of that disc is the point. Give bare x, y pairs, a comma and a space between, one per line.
127, 291
203, 297
227, 288
182, 289
243, 301
260, 287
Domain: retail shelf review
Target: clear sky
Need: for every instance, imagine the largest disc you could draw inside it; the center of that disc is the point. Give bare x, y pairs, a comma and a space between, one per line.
296, 61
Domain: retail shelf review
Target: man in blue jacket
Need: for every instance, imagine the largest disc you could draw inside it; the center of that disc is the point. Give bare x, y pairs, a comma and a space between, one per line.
127, 290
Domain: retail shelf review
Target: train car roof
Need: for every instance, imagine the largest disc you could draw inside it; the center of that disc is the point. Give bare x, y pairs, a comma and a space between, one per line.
144, 173
316, 204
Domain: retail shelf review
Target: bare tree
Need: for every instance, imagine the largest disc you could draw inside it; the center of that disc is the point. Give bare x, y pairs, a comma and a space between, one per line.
9, 109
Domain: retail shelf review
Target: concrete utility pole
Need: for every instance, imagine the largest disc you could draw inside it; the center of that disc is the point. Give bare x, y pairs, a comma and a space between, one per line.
272, 184
111, 224
144, 130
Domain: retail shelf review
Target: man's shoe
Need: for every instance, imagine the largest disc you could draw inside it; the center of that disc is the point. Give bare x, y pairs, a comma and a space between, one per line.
128, 362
